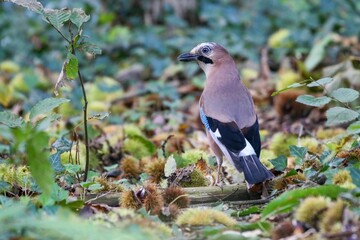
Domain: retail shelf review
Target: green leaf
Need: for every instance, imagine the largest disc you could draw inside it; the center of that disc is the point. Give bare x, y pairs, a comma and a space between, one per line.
71, 66
317, 53
298, 152
32, 5
90, 48
355, 175
38, 159
10, 119
78, 17
288, 200
345, 95
95, 187
248, 211
290, 173
72, 168
313, 101
264, 226
279, 163
55, 161
170, 166
321, 82
46, 105
57, 17
294, 85
339, 115
354, 128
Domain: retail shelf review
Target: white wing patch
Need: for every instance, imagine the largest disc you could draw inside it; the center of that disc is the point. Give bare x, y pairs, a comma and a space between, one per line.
217, 133
248, 150
215, 136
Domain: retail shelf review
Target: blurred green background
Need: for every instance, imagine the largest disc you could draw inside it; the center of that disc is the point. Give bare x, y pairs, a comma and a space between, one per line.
140, 41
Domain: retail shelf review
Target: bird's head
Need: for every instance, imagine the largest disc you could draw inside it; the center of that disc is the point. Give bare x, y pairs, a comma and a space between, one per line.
207, 55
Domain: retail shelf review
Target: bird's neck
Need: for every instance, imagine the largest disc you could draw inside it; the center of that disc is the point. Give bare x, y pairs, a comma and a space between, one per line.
223, 75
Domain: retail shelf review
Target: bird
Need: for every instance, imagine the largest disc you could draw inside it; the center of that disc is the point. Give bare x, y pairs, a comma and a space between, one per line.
227, 111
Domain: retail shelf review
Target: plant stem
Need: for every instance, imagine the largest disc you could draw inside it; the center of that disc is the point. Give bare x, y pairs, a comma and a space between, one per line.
85, 126
62, 35
87, 156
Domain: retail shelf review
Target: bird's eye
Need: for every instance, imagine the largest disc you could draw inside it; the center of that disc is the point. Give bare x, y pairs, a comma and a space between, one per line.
205, 50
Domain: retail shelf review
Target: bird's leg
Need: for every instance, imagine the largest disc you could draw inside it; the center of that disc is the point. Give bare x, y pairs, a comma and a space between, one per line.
219, 172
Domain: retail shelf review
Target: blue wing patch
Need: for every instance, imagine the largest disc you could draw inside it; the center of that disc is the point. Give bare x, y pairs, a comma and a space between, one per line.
231, 136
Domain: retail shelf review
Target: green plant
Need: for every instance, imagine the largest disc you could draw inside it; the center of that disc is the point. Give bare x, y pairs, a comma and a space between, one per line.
29, 140
336, 115
75, 19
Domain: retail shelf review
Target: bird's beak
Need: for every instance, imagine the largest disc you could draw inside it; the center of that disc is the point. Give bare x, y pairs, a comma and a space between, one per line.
187, 57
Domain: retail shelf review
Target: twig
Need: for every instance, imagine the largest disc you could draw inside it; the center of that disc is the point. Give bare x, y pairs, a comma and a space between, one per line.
163, 145
183, 195
63, 36
97, 197
340, 235
300, 134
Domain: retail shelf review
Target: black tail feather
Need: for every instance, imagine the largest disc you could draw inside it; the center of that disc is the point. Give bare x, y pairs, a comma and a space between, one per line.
254, 170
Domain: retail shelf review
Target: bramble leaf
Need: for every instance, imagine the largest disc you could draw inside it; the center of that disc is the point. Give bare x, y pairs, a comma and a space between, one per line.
10, 119
78, 17
339, 115
320, 82
57, 17
46, 105
345, 95
313, 101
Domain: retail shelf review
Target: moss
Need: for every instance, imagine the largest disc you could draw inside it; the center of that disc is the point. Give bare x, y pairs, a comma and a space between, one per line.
332, 218
280, 143
155, 169
139, 147
193, 156
204, 217
311, 144
329, 133
16, 175
132, 130
196, 180
265, 156
311, 210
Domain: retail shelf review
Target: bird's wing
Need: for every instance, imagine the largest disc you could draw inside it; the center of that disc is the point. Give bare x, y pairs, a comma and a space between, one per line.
236, 148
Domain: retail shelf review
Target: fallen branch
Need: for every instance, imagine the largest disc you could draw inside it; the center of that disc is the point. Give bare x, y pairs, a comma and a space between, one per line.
197, 195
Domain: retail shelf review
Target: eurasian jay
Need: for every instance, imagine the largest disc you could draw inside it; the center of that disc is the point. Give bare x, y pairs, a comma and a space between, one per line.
228, 114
